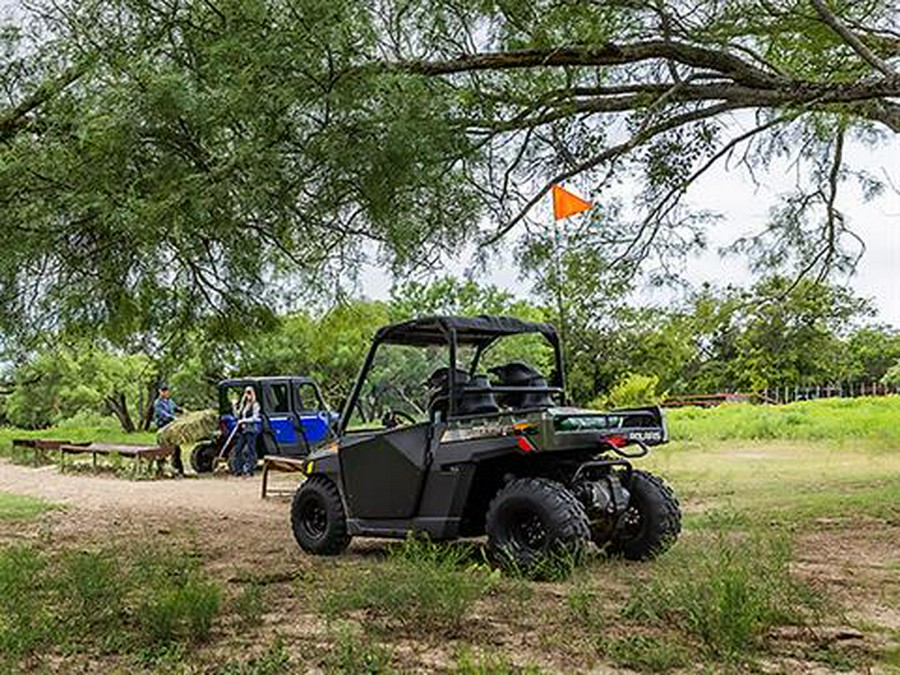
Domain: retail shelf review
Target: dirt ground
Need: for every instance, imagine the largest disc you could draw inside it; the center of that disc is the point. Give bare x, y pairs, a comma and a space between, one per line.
237, 532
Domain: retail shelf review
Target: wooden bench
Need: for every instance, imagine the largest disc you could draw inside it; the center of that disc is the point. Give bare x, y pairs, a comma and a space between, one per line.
159, 453
281, 464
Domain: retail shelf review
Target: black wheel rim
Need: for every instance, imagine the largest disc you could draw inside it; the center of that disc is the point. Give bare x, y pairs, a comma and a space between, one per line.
313, 518
526, 531
632, 524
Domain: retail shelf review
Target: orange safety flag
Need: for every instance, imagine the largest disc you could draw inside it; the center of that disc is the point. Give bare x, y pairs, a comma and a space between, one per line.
566, 204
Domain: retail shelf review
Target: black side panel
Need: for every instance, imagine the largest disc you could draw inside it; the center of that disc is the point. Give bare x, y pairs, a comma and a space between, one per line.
383, 473
446, 491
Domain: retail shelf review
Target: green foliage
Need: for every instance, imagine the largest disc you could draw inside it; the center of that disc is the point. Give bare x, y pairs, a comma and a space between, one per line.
421, 586
719, 341
632, 390
725, 590
59, 383
892, 376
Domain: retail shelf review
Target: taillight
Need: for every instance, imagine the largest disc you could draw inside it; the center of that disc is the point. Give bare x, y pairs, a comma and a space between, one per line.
525, 445
522, 431
617, 441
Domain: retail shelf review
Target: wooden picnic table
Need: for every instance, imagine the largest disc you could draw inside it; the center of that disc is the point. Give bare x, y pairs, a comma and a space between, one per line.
42, 446
139, 452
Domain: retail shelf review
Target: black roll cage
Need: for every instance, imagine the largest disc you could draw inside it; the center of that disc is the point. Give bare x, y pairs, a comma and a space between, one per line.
259, 383
482, 332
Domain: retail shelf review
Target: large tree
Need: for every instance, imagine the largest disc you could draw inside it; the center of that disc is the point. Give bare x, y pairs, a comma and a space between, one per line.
162, 159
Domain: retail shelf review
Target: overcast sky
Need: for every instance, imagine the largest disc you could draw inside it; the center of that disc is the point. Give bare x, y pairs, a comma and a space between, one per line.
744, 207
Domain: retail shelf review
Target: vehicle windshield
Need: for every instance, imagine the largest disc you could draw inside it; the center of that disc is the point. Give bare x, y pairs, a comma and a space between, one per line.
405, 384
397, 382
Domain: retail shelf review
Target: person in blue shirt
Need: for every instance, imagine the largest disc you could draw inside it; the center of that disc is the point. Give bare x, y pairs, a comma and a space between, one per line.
164, 409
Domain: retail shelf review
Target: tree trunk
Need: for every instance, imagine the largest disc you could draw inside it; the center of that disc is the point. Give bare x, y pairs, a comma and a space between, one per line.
147, 412
118, 405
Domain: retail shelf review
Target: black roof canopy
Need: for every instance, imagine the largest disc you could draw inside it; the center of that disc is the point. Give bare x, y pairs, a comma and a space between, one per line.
470, 330
261, 379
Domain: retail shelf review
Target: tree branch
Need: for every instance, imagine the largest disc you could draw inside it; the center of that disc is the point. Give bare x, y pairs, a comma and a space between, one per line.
852, 40
638, 139
15, 120
609, 54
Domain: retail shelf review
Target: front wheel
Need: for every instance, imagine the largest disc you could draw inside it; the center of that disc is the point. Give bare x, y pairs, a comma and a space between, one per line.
652, 521
318, 519
533, 519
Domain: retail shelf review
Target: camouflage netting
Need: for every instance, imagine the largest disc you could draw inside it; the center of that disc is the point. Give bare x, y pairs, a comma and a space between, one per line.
189, 428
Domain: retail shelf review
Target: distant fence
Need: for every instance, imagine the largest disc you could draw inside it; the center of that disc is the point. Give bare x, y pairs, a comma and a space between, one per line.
780, 395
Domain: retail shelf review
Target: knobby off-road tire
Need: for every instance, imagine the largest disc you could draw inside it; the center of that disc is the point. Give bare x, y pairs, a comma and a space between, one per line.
652, 522
530, 520
202, 457
318, 519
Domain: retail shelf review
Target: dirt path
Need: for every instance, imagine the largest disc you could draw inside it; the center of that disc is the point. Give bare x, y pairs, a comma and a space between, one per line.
216, 494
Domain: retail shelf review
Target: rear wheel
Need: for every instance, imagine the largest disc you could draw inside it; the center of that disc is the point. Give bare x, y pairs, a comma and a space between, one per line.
317, 517
652, 521
532, 520
202, 457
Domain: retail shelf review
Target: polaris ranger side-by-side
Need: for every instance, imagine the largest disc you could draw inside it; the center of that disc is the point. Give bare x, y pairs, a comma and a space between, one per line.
490, 447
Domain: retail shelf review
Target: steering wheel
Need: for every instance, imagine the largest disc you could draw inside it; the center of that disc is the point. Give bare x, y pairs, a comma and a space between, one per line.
390, 421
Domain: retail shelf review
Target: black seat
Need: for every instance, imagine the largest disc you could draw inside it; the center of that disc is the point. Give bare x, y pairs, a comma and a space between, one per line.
519, 374
438, 384
477, 402
467, 402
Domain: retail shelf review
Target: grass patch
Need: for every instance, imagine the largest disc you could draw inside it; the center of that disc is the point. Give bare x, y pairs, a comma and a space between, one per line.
22, 507
250, 605
869, 419
555, 565
421, 585
102, 602
470, 662
274, 661
725, 591
646, 653
353, 651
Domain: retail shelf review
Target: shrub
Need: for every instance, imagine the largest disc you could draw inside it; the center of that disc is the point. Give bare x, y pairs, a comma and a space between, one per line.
631, 390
